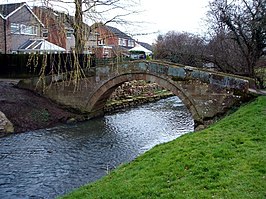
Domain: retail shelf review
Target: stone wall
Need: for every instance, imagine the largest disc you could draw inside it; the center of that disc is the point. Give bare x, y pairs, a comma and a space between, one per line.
134, 93
135, 88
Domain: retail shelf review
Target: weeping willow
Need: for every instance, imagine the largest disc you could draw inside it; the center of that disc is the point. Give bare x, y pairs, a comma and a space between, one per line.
68, 30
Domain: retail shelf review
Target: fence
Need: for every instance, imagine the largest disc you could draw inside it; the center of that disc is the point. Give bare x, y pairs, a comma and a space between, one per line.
28, 65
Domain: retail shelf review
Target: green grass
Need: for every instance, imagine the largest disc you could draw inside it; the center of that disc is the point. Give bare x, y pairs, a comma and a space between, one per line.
227, 160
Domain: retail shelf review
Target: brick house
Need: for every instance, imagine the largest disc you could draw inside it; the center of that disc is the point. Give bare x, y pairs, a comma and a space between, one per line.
18, 24
58, 29
23, 25
111, 41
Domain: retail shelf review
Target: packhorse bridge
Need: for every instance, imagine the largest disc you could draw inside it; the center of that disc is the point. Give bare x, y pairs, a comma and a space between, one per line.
205, 93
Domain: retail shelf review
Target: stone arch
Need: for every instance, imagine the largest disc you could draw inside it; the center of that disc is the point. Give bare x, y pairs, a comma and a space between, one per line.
101, 93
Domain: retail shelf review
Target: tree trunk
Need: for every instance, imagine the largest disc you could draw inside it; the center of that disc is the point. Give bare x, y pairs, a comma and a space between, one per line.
78, 28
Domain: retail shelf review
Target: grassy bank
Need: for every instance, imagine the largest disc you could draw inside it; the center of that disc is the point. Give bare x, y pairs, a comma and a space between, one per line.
227, 160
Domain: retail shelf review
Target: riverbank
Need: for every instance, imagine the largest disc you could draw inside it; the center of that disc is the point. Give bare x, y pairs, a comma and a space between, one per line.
227, 160
135, 93
131, 101
28, 111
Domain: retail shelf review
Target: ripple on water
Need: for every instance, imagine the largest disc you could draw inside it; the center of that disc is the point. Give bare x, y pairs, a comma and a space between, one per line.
50, 162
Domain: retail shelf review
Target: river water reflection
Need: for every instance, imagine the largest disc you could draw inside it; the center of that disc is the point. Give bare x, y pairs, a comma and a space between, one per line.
51, 162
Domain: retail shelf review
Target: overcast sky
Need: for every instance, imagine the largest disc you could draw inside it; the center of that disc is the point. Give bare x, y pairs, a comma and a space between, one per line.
173, 15
161, 17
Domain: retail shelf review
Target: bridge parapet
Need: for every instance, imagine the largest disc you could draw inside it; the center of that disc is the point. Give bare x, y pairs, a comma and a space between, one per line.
186, 73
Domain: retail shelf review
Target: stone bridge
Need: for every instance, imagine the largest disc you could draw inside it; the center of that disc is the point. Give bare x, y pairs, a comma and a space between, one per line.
205, 93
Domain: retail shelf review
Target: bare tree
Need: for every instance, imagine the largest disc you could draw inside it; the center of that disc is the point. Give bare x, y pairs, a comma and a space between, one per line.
104, 11
225, 54
183, 48
89, 11
239, 28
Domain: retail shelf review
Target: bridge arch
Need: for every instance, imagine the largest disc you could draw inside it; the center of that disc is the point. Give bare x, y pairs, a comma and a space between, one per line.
207, 94
101, 94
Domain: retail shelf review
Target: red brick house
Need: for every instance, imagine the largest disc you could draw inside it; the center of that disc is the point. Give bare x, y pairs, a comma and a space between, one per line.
57, 28
21, 26
111, 41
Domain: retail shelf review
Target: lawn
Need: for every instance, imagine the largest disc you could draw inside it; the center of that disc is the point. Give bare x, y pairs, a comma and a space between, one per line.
227, 160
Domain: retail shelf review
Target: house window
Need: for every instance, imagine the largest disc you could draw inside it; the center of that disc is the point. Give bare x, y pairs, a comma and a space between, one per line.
45, 33
125, 42
106, 53
101, 42
131, 43
69, 33
15, 28
23, 29
28, 30
122, 42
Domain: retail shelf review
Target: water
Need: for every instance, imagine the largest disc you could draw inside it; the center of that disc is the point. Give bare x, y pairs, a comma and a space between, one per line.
51, 162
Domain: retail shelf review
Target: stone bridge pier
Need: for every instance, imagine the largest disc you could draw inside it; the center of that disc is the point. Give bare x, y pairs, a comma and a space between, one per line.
206, 94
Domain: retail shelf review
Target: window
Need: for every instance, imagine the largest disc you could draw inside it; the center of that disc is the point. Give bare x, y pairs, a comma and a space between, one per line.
131, 43
122, 42
106, 53
101, 42
23, 29
28, 30
69, 33
15, 28
45, 33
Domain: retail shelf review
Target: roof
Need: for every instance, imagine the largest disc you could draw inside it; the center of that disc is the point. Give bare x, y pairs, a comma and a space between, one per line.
118, 33
7, 10
113, 30
40, 45
146, 45
139, 48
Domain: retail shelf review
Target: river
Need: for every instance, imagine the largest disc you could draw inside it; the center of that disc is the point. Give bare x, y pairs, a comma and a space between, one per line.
51, 162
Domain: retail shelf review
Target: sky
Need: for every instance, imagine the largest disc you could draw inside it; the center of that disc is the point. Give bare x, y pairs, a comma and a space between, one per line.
160, 17
172, 15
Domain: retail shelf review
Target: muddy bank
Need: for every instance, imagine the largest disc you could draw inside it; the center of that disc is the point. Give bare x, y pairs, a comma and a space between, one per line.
29, 111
